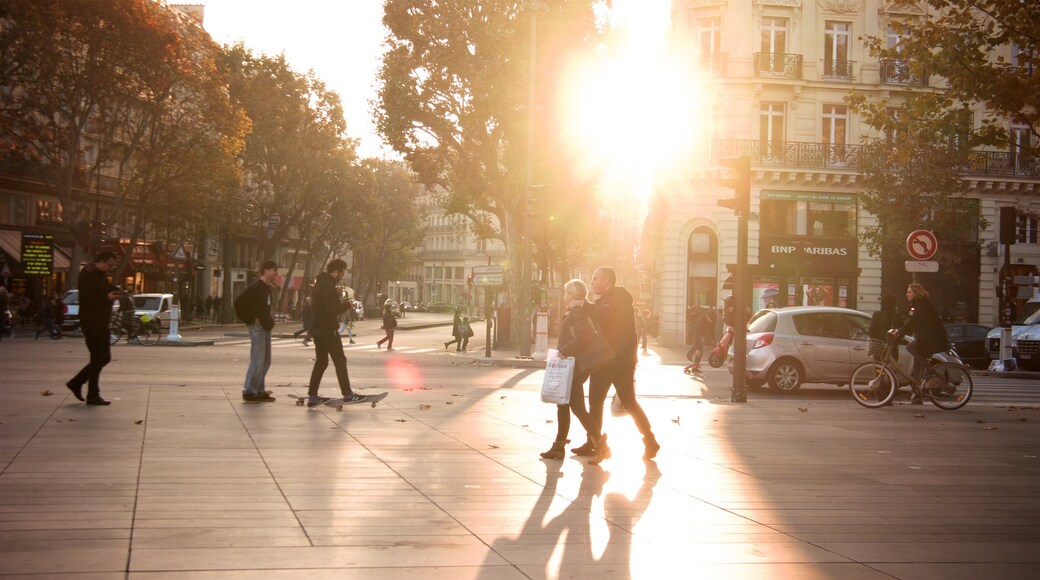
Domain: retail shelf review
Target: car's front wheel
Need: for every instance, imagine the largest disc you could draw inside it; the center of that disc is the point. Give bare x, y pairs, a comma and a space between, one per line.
786, 375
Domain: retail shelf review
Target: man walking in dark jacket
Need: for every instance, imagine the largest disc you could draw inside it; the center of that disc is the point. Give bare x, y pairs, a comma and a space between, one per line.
326, 307
96, 295
614, 315
253, 307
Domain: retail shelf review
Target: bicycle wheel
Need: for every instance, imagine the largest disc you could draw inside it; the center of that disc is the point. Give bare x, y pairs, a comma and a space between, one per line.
148, 334
115, 330
957, 387
872, 385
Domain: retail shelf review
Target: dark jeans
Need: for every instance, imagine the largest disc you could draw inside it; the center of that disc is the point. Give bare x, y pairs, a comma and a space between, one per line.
98, 343
576, 406
389, 337
327, 345
623, 376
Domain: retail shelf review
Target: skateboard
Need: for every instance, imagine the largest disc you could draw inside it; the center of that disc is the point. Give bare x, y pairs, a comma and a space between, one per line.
339, 403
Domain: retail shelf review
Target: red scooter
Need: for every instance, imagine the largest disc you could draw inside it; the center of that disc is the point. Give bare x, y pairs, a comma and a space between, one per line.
718, 354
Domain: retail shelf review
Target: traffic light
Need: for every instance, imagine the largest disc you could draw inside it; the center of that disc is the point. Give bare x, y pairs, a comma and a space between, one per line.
1008, 223
740, 183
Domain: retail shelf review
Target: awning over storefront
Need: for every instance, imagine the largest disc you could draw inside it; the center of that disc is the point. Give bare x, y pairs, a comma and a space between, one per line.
11, 244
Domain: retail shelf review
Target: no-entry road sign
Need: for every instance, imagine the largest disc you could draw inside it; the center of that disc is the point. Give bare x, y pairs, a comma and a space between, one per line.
921, 245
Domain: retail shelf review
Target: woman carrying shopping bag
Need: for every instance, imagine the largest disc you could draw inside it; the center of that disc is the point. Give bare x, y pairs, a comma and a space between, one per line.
579, 339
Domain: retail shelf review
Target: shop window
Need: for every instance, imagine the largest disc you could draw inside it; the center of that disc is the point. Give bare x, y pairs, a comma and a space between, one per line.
48, 212
808, 218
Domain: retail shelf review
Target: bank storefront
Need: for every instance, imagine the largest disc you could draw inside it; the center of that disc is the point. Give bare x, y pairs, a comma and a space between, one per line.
807, 250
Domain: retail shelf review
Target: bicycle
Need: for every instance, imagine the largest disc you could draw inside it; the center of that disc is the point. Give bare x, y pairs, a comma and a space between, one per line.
144, 329
948, 384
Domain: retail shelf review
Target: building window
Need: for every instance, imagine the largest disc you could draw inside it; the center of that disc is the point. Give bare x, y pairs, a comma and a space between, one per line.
771, 130
1028, 230
711, 44
1022, 160
835, 127
48, 212
836, 50
772, 60
808, 218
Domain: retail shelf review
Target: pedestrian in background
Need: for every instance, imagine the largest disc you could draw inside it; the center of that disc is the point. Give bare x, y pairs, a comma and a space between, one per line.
389, 324
96, 295
253, 307
306, 319
456, 331
47, 315
327, 308
701, 330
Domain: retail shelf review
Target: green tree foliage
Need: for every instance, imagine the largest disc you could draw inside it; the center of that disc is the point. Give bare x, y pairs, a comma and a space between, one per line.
296, 140
384, 223
453, 99
988, 54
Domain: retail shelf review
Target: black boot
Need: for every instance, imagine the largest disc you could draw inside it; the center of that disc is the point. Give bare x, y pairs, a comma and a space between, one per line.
557, 450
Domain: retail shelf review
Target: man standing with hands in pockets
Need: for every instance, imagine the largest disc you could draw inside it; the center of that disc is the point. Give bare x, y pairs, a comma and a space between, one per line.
96, 295
253, 307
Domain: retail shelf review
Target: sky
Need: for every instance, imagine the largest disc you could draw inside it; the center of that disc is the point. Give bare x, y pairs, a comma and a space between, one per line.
342, 40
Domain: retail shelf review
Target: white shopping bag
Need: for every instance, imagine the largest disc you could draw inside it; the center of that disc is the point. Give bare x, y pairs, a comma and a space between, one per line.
556, 384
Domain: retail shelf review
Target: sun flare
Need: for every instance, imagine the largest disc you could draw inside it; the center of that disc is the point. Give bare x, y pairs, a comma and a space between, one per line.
633, 107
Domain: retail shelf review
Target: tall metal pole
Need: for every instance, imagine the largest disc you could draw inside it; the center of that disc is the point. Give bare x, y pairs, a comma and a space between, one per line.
525, 248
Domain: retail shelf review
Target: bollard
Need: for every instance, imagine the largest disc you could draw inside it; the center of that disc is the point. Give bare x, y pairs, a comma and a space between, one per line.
174, 335
541, 336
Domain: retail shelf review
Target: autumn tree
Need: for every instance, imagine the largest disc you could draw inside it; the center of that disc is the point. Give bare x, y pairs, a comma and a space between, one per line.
87, 84
453, 99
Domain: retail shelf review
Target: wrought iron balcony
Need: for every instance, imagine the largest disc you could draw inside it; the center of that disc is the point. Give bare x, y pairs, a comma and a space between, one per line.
778, 65
837, 70
800, 154
897, 72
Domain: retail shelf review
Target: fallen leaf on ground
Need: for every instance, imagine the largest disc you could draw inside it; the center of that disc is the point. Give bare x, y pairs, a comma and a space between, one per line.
919, 416
803, 409
401, 420
675, 420
524, 426
980, 420
139, 421
990, 428
493, 446
1023, 419
449, 402
424, 407
46, 393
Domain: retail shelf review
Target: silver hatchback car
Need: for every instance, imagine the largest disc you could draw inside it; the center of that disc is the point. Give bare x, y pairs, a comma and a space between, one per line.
807, 344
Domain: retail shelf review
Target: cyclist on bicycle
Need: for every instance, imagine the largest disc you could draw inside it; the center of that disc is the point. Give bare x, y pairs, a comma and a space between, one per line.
928, 331
126, 313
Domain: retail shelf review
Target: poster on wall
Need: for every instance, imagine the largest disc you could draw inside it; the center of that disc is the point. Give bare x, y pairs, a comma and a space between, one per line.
818, 293
765, 293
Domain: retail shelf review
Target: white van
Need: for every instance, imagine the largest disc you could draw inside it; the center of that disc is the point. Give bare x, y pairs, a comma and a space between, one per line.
154, 305
1029, 315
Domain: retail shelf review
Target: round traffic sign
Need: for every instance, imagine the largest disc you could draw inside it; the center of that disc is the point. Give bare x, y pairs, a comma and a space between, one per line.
921, 244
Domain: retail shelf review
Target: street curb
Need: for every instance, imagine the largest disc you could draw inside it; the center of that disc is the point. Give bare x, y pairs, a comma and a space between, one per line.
1008, 374
515, 363
186, 343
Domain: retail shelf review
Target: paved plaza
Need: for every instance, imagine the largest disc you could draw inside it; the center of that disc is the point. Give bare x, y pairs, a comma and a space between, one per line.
179, 479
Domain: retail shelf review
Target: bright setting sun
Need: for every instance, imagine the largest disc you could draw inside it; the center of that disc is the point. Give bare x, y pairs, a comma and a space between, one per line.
633, 107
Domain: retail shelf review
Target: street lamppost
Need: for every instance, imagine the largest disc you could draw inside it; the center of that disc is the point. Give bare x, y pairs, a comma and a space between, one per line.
525, 248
